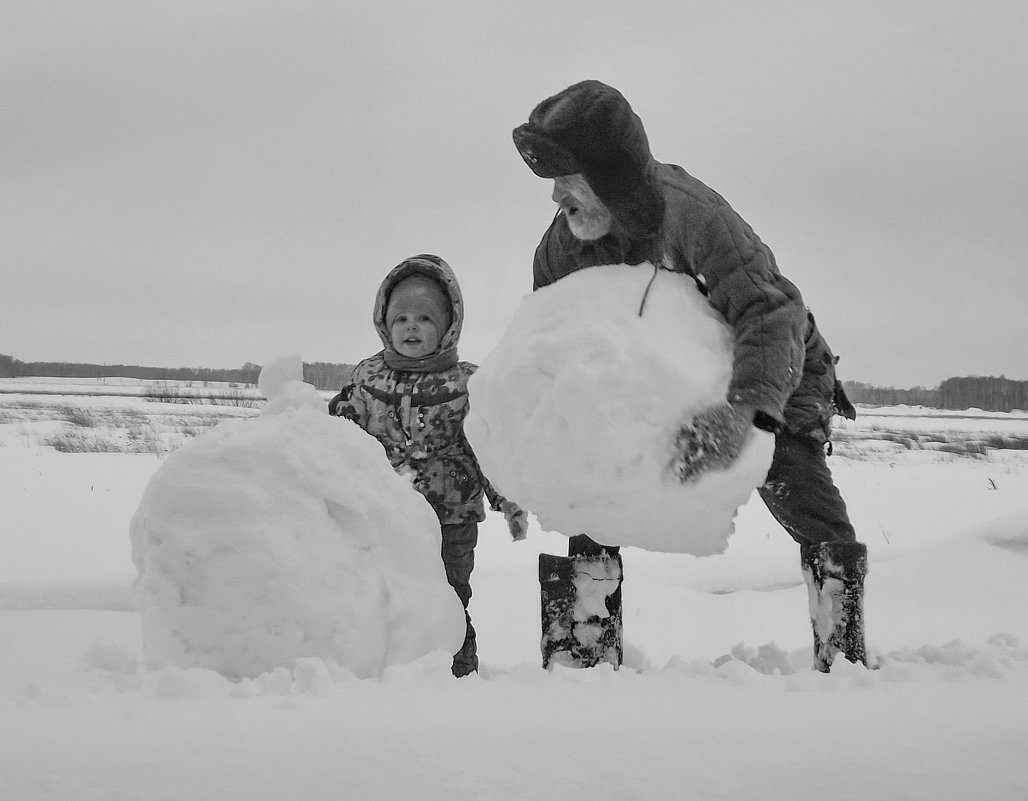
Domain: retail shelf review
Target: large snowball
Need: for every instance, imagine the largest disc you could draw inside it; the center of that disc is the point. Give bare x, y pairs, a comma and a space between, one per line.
288, 536
573, 415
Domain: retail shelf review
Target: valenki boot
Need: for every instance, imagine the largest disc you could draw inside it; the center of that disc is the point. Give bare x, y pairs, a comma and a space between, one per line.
834, 573
581, 610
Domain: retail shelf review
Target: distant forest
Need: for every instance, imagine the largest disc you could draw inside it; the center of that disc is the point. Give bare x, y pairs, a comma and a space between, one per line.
322, 375
970, 392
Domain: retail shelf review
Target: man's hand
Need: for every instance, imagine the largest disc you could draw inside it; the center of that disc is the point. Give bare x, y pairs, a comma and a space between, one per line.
517, 519
711, 441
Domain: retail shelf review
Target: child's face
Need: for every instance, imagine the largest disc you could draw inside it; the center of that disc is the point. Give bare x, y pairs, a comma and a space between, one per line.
414, 334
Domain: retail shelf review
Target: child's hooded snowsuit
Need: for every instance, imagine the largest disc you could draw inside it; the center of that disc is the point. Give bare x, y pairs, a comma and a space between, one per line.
416, 407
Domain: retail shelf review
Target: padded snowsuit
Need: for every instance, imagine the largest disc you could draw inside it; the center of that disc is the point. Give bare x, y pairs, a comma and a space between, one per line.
418, 417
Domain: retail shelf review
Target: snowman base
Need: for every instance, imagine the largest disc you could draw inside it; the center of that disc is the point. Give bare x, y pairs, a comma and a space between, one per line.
581, 610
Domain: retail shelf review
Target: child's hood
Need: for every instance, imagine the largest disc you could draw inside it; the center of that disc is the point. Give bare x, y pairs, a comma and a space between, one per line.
438, 270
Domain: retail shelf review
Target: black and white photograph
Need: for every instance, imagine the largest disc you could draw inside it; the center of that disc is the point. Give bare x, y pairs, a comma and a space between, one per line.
460, 400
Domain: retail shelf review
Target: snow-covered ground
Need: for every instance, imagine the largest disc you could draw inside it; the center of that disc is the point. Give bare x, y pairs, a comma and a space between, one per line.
944, 717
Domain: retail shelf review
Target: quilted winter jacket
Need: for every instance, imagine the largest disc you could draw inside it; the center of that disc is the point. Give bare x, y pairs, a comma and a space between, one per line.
419, 416
782, 365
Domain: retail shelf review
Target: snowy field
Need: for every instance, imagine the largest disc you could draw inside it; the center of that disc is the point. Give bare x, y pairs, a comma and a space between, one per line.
716, 699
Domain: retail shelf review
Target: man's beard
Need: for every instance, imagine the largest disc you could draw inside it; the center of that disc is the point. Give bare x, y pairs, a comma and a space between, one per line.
589, 224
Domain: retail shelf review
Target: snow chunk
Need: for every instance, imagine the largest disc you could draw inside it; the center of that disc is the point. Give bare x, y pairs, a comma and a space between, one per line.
574, 413
288, 536
281, 382
594, 582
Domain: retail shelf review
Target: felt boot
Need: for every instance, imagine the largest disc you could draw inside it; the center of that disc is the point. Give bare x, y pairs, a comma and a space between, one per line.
834, 573
581, 610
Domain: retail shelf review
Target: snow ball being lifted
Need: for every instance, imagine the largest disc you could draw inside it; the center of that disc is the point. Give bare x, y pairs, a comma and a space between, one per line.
573, 415
288, 536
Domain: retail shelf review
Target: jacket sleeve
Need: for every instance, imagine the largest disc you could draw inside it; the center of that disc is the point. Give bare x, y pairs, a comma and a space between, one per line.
350, 403
491, 495
340, 397
494, 498
764, 309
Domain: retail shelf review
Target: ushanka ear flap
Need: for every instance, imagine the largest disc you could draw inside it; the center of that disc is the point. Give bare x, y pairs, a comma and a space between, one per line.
632, 196
545, 157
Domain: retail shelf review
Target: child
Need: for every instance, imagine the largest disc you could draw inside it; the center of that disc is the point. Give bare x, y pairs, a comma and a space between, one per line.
412, 397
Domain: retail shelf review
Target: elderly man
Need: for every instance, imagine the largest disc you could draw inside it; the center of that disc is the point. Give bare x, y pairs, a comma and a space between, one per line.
618, 205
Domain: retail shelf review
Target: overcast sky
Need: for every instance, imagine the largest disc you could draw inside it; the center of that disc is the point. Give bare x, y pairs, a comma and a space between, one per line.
208, 182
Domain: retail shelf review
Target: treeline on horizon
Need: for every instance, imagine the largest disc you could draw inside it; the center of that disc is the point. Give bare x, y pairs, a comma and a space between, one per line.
322, 375
989, 393
968, 392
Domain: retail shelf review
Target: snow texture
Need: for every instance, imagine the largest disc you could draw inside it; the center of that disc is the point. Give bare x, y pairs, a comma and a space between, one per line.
288, 536
715, 694
574, 413
594, 582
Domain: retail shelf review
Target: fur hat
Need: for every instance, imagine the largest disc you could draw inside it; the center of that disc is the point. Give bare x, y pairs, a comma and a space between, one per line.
419, 294
590, 128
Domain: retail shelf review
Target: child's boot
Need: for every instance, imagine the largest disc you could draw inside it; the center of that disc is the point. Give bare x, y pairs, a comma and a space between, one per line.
834, 573
465, 661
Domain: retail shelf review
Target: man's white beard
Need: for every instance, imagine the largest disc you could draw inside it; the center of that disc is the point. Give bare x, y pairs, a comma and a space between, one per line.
588, 225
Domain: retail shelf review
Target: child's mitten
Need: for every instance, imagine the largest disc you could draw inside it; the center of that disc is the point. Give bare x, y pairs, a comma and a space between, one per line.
517, 519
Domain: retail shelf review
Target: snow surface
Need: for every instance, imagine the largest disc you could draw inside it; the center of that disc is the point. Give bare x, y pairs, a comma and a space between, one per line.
288, 536
574, 413
716, 700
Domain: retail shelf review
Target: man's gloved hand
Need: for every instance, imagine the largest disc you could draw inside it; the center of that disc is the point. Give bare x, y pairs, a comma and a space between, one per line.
517, 519
711, 441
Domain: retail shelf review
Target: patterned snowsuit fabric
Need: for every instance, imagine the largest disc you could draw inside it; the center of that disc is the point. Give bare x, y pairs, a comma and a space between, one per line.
418, 417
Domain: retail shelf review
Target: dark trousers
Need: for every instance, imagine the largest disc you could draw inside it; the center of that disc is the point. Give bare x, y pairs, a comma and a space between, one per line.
801, 495
458, 552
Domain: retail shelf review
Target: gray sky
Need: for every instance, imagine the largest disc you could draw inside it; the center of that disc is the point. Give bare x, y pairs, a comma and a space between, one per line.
205, 183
